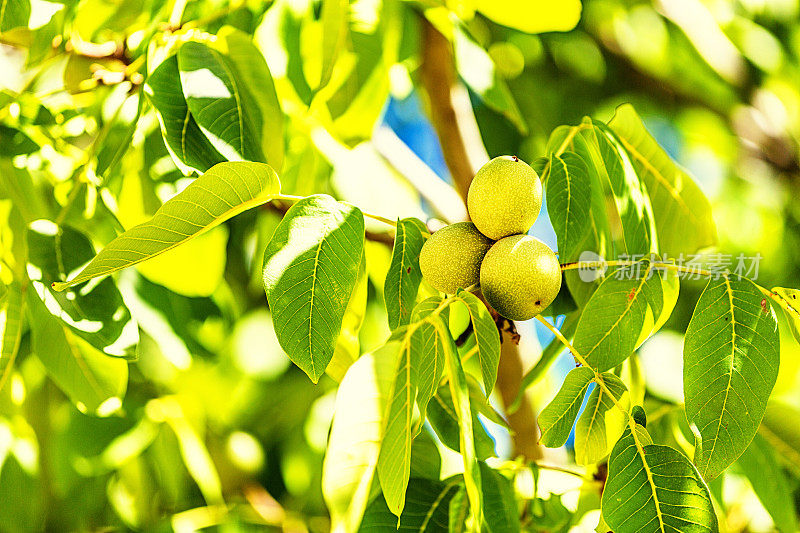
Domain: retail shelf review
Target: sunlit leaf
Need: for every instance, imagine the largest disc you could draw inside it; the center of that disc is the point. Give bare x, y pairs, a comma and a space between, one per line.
206, 254
427, 352
682, 212
632, 201
602, 422
730, 364
781, 428
394, 460
459, 389
252, 70
310, 270
444, 421
487, 338
557, 418
184, 139
334, 19
94, 381
760, 464
500, 505
426, 511
12, 309
569, 203
221, 193
789, 301
348, 345
14, 13
654, 488
94, 311
532, 16
354, 442
404, 276
631, 304
223, 97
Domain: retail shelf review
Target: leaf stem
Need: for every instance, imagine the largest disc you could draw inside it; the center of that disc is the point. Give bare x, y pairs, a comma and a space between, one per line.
294, 198
675, 268
598, 377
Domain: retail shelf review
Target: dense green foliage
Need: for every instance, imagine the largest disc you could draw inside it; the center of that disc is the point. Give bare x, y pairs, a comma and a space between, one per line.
213, 312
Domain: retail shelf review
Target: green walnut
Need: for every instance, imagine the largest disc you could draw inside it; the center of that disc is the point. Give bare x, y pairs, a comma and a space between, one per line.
505, 197
451, 258
520, 277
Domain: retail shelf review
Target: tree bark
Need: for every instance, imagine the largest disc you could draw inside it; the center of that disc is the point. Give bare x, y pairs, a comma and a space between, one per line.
439, 79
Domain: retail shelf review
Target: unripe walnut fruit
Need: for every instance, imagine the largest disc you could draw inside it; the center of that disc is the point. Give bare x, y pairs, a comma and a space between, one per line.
520, 277
451, 258
505, 197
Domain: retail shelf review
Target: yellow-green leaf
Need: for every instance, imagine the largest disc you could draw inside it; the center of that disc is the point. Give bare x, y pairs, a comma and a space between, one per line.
226, 190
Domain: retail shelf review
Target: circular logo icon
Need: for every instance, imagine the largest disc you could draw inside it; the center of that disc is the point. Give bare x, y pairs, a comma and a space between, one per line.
594, 269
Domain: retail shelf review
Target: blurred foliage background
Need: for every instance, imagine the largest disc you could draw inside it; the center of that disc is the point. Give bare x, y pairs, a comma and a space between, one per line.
216, 428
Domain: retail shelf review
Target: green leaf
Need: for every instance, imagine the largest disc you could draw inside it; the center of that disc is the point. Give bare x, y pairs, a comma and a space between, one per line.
569, 203
403, 277
760, 464
94, 381
348, 345
14, 13
599, 239
427, 508
500, 503
631, 304
654, 488
94, 311
258, 91
557, 418
630, 196
227, 110
427, 352
444, 421
354, 443
781, 428
223, 192
487, 338
682, 212
459, 390
335, 19
184, 139
459, 509
394, 460
730, 364
310, 270
549, 355
602, 422
789, 301
425, 459
12, 309
420, 362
